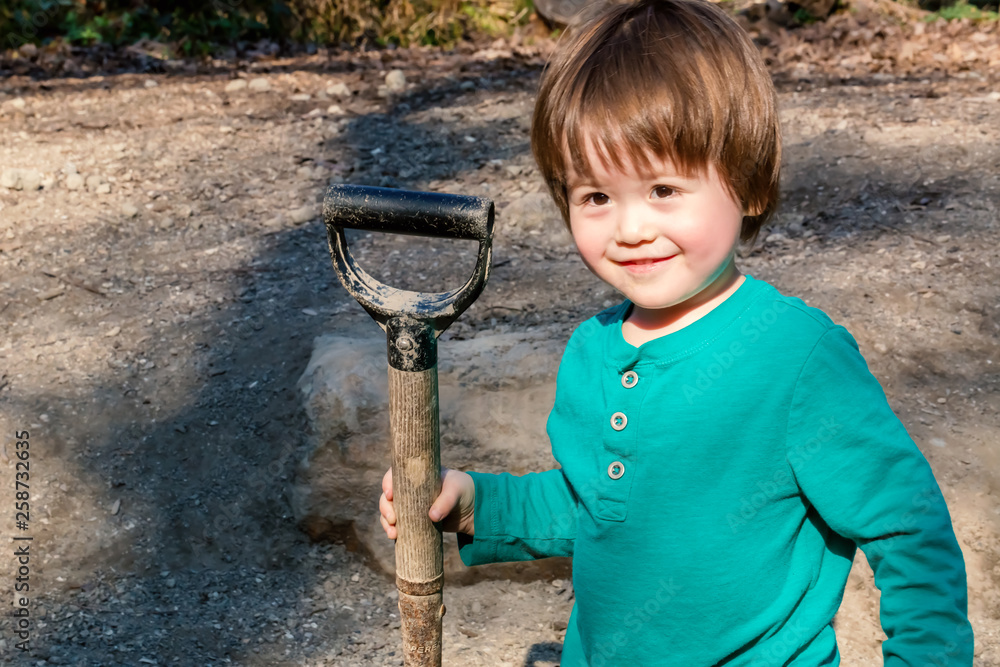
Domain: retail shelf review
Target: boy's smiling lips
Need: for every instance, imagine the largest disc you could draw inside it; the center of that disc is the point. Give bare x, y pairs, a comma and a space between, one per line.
643, 264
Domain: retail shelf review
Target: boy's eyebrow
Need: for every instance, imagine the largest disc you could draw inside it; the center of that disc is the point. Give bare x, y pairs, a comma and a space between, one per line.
582, 182
588, 182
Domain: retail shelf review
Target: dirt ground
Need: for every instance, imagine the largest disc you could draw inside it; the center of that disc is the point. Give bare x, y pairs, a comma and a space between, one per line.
162, 288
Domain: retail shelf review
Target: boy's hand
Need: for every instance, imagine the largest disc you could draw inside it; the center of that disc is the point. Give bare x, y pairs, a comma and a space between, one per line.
454, 506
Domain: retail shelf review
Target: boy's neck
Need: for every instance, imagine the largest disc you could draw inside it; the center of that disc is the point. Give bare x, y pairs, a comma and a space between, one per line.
645, 324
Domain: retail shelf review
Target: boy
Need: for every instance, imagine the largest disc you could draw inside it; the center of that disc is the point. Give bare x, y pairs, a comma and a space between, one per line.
723, 448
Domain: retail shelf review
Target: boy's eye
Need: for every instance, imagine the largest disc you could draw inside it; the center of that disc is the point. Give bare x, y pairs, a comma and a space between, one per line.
596, 198
662, 191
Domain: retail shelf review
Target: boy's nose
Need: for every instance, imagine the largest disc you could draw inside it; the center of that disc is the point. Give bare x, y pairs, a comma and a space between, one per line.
633, 227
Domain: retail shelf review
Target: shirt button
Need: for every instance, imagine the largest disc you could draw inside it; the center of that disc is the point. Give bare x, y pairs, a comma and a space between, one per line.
616, 470
618, 421
629, 379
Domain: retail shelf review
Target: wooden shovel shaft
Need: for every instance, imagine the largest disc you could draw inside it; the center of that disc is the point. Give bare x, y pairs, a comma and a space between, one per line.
416, 481
412, 322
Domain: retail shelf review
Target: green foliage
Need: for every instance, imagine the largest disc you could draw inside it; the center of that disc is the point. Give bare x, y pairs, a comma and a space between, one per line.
964, 10
406, 22
802, 16
198, 26
495, 19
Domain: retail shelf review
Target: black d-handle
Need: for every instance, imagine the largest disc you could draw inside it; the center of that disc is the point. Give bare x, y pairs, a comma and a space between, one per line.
406, 212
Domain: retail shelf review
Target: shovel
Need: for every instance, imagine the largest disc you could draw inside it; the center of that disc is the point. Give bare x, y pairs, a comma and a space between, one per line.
412, 322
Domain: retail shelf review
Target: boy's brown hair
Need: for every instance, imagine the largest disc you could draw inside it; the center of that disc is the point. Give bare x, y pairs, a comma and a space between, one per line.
676, 79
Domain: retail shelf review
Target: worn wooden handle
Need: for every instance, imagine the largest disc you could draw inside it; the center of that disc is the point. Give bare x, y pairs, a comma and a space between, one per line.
416, 482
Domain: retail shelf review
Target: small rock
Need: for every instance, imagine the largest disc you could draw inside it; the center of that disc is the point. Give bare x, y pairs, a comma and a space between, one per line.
130, 210
18, 103
310, 312
74, 181
919, 265
93, 182
338, 89
185, 211
303, 214
117, 505
103, 189
395, 81
113, 332
236, 85
259, 85
31, 179
70, 168
51, 294
995, 96
150, 83
10, 178
28, 50
301, 97
335, 110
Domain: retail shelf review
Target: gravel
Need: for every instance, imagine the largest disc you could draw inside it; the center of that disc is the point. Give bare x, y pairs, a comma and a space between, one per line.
153, 329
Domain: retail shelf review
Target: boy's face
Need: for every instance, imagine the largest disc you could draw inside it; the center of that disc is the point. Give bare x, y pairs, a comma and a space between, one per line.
663, 240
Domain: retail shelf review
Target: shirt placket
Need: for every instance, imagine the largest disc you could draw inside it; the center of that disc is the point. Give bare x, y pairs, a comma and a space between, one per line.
624, 391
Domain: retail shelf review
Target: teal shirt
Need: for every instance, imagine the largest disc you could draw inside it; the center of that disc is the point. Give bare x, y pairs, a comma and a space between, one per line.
712, 502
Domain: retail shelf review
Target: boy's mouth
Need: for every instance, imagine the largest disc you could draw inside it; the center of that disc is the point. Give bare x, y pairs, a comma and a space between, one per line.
644, 264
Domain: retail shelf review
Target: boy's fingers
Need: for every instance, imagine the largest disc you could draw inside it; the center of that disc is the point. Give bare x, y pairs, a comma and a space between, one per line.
385, 507
387, 484
390, 531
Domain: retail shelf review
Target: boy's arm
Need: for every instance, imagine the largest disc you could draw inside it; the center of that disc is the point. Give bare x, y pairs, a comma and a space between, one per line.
520, 518
857, 466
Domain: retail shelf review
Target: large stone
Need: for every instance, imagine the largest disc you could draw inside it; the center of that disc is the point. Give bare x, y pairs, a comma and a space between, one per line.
536, 216
495, 394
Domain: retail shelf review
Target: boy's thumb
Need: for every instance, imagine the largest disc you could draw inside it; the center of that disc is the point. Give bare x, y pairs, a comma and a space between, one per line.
442, 506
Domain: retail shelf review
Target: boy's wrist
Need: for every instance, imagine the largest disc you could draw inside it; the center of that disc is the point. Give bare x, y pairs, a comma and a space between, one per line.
468, 502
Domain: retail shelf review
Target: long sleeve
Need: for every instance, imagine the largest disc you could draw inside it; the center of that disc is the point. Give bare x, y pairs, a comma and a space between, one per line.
521, 518
869, 482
